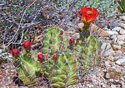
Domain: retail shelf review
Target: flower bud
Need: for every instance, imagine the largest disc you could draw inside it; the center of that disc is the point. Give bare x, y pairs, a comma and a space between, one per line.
61, 32
72, 41
15, 52
55, 57
41, 57
27, 45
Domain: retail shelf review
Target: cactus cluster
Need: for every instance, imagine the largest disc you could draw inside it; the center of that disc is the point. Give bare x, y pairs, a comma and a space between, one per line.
61, 61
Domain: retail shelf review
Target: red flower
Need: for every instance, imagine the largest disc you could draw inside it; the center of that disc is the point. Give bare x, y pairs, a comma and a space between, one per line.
15, 52
72, 41
40, 57
27, 45
55, 57
88, 14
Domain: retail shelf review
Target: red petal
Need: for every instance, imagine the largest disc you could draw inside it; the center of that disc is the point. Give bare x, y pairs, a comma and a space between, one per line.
80, 15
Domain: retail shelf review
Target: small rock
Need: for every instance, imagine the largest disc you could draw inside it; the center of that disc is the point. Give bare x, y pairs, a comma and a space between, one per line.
121, 61
107, 64
116, 47
112, 32
121, 37
123, 18
123, 49
113, 37
107, 76
112, 74
122, 25
122, 32
113, 86
0, 51
113, 24
116, 29
111, 58
120, 42
108, 46
103, 47
109, 52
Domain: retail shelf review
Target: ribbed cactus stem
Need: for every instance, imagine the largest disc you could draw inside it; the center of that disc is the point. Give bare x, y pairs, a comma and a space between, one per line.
85, 31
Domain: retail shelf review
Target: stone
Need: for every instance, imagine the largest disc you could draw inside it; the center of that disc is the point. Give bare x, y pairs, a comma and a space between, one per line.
113, 24
0, 51
116, 29
122, 32
121, 61
94, 29
107, 64
113, 86
122, 25
121, 37
111, 58
123, 18
112, 74
113, 37
116, 47
108, 46
107, 76
123, 49
103, 47
112, 32
120, 42
109, 52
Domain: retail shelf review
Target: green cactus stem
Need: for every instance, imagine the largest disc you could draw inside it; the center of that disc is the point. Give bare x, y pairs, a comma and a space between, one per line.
28, 67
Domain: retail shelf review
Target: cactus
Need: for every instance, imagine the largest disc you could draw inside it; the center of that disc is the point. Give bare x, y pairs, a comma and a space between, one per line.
61, 65
61, 60
28, 68
63, 72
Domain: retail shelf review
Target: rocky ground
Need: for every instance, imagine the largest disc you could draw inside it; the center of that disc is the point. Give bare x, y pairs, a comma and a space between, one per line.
110, 73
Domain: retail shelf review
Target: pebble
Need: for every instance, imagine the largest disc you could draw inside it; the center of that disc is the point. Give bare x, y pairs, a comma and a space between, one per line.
109, 52
112, 32
120, 42
123, 18
107, 64
121, 61
111, 58
113, 24
121, 37
116, 47
122, 32
0, 51
107, 76
113, 37
116, 29
108, 46
113, 86
122, 25
103, 46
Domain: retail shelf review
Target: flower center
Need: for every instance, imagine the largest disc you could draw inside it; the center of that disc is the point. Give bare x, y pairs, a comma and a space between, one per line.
89, 12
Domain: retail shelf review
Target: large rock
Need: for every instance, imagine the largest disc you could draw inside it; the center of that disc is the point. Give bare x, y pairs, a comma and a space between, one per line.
95, 29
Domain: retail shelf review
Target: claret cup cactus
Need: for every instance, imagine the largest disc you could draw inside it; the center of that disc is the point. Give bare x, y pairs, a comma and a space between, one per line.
64, 59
